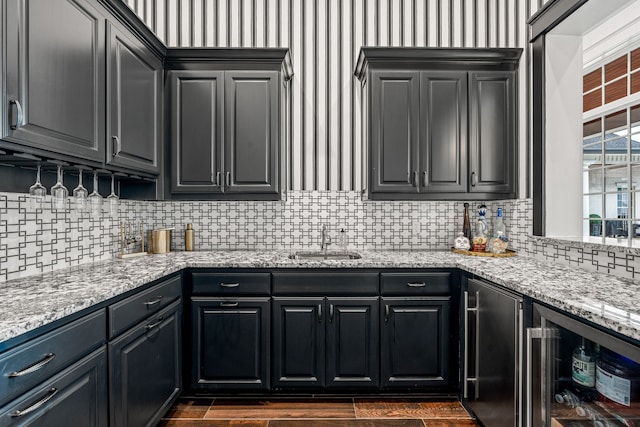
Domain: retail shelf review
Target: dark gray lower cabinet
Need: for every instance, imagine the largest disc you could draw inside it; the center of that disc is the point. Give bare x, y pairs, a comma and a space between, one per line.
325, 342
145, 367
230, 349
76, 396
414, 342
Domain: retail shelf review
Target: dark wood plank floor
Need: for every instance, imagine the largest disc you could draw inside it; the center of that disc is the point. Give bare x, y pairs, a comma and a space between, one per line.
338, 412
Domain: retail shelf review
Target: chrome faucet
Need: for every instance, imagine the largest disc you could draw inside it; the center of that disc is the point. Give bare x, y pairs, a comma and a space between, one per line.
326, 240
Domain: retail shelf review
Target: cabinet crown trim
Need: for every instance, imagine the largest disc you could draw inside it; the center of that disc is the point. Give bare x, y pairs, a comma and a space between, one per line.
419, 57
177, 57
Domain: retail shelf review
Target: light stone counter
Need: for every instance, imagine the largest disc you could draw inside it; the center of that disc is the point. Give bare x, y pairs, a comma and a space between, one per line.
34, 301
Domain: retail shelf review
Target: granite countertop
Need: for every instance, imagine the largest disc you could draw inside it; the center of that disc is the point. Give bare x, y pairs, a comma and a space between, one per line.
34, 301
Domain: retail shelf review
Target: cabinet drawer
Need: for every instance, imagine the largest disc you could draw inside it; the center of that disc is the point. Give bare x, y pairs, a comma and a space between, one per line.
33, 362
132, 310
77, 396
231, 283
416, 283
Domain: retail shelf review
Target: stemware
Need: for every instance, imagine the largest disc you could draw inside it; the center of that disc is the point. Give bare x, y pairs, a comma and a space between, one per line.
59, 193
36, 193
112, 199
80, 194
95, 199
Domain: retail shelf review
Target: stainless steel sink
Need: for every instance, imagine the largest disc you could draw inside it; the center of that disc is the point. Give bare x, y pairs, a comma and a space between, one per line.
324, 255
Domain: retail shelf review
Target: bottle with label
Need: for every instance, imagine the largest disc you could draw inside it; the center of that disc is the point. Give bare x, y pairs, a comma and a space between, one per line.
189, 238
583, 367
617, 379
342, 239
499, 241
482, 231
466, 224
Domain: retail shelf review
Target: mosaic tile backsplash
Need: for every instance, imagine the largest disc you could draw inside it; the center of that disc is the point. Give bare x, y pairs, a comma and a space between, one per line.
37, 241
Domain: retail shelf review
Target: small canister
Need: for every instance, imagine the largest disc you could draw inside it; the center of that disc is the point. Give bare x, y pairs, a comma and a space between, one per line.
188, 238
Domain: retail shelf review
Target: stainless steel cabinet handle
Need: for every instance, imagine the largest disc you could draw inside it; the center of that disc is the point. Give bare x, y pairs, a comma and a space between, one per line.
154, 301
19, 116
319, 312
36, 366
415, 179
52, 392
474, 179
154, 324
227, 179
424, 178
229, 285
229, 304
466, 379
386, 313
416, 284
218, 177
116, 147
331, 313
532, 334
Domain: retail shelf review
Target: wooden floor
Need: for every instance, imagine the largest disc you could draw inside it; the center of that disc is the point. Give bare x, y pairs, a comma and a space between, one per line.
226, 412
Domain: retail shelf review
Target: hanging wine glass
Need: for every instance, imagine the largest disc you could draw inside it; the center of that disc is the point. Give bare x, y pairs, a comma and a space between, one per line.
59, 193
37, 192
80, 195
112, 199
95, 199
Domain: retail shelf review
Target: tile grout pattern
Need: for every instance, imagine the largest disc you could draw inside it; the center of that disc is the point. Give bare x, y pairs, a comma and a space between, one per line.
45, 240
225, 412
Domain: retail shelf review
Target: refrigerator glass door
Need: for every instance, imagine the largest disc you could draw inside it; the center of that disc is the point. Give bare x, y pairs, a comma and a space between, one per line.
578, 375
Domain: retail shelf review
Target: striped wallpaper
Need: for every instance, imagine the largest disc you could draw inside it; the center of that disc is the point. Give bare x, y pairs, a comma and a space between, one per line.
324, 37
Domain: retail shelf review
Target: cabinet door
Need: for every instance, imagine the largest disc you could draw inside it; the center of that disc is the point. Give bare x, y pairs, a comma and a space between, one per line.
75, 397
252, 129
492, 133
414, 342
134, 108
394, 118
55, 78
230, 343
352, 342
298, 342
443, 134
145, 369
196, 131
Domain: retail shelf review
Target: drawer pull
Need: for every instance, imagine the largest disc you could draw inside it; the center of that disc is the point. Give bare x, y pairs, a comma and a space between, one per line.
154, 324
330, 313
154, 301
229, 285
386, 313
416, 284
228, 304
52, 392
36, 366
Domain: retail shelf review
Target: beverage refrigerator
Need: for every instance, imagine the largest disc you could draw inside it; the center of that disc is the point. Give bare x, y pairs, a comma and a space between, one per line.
579, 375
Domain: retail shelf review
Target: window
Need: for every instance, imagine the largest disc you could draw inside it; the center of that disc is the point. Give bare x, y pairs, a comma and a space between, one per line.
611, 150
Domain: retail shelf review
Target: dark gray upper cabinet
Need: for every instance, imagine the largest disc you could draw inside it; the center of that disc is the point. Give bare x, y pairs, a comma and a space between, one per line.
226, 109
251, 131
196, 131
492, 133
55, 79
82, 83
394, 134
443, 137
440, 123
134, 104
